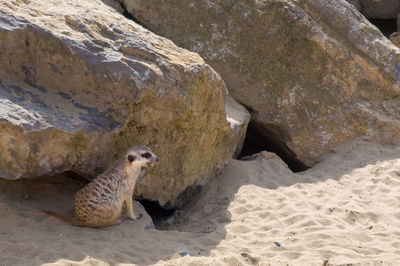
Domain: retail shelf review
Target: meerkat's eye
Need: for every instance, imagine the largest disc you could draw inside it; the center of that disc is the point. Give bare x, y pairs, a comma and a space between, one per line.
131, 158
146, 155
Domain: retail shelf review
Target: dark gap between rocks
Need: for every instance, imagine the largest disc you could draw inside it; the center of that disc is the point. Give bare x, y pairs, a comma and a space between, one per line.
386, 26
128, 15
257, 141
158, 214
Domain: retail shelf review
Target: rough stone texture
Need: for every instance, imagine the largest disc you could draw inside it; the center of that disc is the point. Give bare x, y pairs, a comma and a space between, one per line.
313, 73
265, 155
382, 9
79, 83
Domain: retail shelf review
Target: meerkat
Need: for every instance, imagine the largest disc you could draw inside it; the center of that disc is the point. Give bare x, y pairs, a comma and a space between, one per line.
100, 202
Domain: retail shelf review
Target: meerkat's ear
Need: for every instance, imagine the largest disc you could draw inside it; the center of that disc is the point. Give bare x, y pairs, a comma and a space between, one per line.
131, 158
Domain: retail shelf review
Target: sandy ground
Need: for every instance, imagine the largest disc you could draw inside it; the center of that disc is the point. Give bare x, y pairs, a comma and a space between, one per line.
345, 210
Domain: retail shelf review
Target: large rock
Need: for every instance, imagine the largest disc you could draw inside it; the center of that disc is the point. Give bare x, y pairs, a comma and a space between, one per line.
313, 73
381, 9
80, 83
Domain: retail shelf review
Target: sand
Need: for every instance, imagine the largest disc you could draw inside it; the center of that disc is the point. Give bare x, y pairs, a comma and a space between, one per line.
345, 210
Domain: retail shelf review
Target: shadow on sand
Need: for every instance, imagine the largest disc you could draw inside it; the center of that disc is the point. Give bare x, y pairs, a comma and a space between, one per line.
196, 231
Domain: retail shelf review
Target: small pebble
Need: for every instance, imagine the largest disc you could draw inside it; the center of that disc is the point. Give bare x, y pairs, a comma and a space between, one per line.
277, 244
242, 221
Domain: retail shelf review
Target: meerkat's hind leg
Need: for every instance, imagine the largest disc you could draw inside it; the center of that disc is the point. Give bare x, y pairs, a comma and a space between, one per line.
129, 209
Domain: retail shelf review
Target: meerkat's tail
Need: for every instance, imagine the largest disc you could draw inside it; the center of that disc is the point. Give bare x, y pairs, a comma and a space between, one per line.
64, 218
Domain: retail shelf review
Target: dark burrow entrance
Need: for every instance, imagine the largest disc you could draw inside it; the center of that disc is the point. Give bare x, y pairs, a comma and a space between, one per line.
386, 26
158, 214
257, 141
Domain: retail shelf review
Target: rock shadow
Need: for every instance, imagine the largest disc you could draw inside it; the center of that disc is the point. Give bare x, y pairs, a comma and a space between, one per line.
195, 231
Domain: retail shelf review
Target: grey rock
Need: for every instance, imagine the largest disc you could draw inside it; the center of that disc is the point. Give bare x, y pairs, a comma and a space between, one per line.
312, 73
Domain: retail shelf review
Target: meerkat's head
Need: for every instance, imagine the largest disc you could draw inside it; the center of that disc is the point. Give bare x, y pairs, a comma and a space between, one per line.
140, 156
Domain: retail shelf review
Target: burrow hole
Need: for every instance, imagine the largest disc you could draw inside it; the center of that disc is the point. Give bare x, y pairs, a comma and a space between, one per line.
258, 140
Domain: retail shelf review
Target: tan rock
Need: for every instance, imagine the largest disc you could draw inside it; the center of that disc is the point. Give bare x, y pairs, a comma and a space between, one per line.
265, 155
313, 73
79, 83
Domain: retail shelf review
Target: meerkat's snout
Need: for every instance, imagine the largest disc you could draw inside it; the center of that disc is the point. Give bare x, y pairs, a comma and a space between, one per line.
151, 164
144, 157
153, 160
